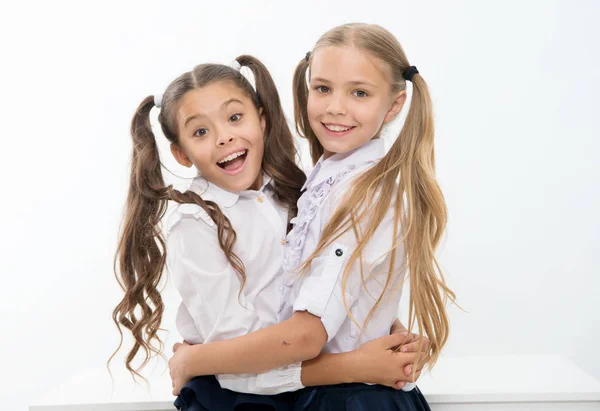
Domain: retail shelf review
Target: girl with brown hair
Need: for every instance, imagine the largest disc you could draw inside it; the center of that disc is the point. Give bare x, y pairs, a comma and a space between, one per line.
224, 245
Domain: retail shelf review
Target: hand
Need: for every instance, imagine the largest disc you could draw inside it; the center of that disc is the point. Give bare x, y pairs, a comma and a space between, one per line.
178, 366
378, 363
411, 345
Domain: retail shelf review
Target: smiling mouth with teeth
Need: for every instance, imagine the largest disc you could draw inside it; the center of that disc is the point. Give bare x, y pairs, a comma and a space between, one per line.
233, 161
337, 128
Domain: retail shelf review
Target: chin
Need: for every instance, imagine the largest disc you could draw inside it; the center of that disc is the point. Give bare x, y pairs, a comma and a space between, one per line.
337, 147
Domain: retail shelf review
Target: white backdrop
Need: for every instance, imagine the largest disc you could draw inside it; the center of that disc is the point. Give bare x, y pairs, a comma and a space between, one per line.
515, 88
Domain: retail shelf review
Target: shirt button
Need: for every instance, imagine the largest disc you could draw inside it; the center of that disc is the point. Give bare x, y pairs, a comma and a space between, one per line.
259, 199
339, 252
283, 241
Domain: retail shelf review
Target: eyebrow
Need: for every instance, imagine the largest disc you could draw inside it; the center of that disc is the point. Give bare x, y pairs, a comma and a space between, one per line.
224, 105
352, 83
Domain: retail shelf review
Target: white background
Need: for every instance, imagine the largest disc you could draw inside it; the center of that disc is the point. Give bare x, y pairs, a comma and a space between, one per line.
515, 88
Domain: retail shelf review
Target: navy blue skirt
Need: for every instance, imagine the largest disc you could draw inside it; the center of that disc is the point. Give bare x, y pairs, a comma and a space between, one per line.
359, 397
205, 394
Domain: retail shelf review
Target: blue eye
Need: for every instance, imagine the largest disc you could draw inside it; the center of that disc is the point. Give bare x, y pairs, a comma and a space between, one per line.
360, 93
201, 132
322, 89
236, 117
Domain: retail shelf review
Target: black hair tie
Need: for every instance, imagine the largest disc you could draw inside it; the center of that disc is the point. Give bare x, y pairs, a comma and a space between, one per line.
409, 73
307, 56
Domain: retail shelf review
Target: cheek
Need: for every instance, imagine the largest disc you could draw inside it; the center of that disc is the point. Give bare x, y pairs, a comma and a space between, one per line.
255, 134
202, 156
371, 113
312, 108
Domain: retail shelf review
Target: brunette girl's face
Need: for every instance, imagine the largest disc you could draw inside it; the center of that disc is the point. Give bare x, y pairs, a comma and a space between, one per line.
350, 97
221, 133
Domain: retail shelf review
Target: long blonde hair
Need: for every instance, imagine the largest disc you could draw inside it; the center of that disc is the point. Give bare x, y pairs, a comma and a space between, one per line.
419, 206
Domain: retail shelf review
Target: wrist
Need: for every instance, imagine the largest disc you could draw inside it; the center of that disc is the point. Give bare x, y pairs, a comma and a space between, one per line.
194, 361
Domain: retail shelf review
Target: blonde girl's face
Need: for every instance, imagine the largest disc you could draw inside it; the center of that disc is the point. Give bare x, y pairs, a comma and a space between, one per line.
221, 133
350, 97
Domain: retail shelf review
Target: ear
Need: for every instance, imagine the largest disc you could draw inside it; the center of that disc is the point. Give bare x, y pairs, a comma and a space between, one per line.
263, 121
396, 106
180, 156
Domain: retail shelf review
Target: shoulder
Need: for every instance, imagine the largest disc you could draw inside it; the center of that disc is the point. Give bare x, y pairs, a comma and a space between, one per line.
340, 192
184, 214
345, 181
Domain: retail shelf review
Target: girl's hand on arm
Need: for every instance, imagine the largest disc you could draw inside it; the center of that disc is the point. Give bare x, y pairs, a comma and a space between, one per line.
380, 363
373, 362
179, 366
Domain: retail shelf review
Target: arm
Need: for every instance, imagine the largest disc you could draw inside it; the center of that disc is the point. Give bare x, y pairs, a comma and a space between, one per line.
373, 362
327, 369
299, 338
378, 362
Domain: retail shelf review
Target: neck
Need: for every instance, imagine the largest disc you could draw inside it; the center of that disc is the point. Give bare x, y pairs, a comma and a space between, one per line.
258, 182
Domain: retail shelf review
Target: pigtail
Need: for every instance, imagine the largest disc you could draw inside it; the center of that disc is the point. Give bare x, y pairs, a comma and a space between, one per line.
140, 256
300, 92
280, 150
424, 220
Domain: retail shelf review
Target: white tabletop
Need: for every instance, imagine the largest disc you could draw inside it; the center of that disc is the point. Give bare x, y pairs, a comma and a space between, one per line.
483, 379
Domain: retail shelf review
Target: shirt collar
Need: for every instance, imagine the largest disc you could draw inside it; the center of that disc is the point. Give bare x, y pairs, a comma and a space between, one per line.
370, 152
223, 198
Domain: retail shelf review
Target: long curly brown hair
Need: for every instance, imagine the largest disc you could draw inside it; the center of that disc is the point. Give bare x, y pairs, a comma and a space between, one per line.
141, 253
419, 210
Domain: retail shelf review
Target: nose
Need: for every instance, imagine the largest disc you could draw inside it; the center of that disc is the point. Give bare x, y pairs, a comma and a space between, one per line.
337, 105
224, 138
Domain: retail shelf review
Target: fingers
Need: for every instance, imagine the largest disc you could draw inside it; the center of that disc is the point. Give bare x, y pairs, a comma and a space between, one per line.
408, 369
391, 342
413, 347
176, 387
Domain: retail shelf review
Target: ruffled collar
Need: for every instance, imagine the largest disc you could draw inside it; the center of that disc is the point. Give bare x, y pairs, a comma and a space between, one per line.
371, 151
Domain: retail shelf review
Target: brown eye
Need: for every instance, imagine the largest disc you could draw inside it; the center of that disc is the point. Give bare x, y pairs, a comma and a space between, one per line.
234, 118
201, 132
322, 89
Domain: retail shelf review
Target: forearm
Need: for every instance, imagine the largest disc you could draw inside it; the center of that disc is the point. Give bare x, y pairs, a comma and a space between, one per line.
329, 369
300, 338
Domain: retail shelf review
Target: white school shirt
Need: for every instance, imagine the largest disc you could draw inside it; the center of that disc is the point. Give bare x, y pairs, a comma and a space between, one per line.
210, 309
319, 290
